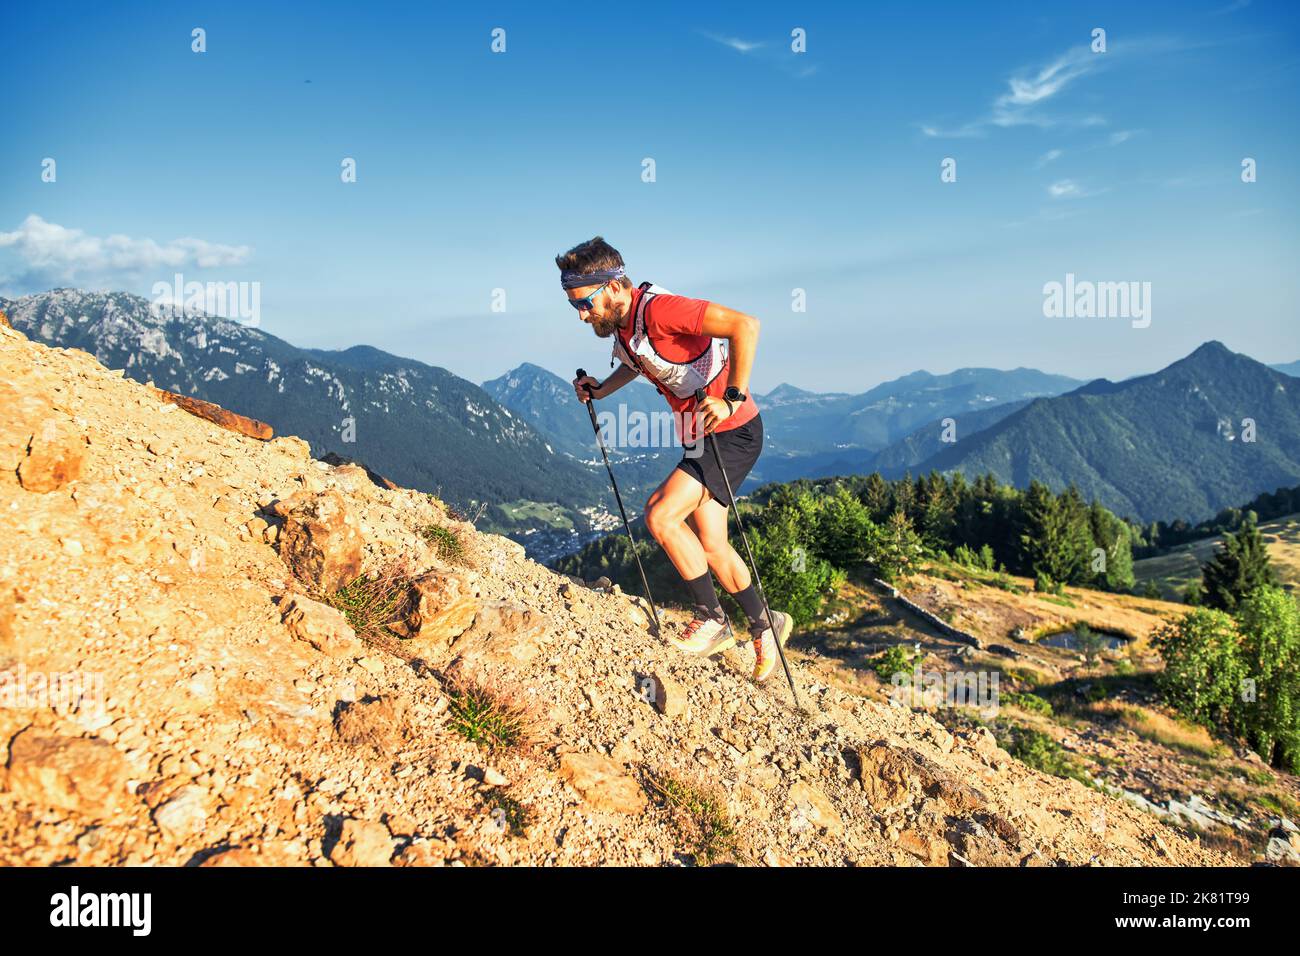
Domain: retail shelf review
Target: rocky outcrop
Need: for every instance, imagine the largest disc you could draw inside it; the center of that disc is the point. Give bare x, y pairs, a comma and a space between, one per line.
218, 415
320, 539
319, 625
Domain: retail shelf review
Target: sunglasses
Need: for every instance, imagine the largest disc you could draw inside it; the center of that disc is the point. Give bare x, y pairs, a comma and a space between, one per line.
583, 304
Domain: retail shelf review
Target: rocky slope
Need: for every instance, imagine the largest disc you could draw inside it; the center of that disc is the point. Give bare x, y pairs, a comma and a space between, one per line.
418, 424
242, 722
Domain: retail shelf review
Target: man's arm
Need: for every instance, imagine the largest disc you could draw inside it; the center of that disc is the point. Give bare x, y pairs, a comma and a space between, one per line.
741, 331
621, 376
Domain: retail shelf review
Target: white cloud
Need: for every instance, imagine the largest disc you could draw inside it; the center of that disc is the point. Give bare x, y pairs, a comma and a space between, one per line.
1064, 189
1049, 157
55, 254
779, 55
740, 46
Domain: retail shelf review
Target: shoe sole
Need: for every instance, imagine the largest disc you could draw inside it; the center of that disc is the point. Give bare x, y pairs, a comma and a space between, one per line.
781, 638
728, 641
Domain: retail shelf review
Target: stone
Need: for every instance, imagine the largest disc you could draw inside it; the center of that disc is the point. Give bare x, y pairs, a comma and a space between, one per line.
958, 796
923, 846
670, 696
494, 778
271, 854
85, 775
7, 600
55, 455
602, 784
320, 540
978, 847
503, 633
442, 606
888, 778
183, 813
323, 627
363, 843
817, 808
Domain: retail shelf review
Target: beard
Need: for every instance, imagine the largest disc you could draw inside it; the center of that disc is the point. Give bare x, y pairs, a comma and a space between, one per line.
607, 326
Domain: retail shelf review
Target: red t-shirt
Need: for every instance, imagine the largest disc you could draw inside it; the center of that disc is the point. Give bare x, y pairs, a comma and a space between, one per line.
675, 324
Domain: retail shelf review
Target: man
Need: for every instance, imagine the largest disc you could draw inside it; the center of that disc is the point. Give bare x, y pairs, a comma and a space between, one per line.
681, 345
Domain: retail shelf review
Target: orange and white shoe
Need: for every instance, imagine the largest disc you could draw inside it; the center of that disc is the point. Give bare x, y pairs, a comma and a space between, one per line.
765, 652
705, 636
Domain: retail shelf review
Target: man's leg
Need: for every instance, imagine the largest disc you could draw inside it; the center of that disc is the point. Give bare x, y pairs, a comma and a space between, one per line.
710, 523
665, 517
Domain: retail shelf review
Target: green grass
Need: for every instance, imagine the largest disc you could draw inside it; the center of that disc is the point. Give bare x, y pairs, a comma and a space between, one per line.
700, 818
487, 717
1040, 751
445, 542
1030, 703
535, 513
514, 814
371, 604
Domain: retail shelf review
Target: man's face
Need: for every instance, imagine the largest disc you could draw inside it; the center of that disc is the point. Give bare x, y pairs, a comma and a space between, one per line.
608, 310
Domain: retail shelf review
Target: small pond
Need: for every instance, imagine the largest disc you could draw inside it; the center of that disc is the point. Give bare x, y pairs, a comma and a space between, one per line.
1069, 640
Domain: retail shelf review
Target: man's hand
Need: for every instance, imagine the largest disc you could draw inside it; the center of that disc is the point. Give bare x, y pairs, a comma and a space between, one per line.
580, 386
711, 412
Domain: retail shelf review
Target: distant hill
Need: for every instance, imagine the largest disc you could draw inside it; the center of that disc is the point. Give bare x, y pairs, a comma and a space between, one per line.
417, 424
1155, 446
1290, 368
806, 434
802, 422
547, 402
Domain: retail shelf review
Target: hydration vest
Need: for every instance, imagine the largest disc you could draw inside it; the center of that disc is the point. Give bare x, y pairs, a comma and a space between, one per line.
680, 379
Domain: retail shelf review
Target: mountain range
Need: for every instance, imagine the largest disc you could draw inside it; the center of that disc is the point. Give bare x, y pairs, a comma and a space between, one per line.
1160, 446
1208, 431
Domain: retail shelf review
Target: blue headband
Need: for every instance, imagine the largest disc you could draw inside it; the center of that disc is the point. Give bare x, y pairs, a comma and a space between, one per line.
573, 279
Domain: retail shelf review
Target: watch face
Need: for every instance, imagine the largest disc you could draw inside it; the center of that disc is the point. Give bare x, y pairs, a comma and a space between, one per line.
734, 394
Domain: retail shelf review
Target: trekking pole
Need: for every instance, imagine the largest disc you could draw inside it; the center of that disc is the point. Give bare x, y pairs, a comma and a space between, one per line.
591, 410
758, 581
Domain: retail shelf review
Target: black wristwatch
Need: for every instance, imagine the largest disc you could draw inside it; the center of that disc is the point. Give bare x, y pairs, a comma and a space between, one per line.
734, 396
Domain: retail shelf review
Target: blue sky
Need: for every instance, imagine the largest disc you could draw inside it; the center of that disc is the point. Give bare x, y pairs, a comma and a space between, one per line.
774, 171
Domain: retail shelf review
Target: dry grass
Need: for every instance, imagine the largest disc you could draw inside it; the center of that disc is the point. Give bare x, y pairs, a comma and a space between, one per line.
698, 813
374, 603
1162, 729
1172, 572
492, 712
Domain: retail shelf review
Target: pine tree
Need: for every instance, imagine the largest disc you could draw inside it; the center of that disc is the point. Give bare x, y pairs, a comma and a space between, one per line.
1240, 565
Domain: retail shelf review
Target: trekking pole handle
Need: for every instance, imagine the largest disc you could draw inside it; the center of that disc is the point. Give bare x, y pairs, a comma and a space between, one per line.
582, 373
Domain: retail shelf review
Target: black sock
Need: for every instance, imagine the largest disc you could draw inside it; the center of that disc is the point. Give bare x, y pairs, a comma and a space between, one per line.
704, 597
753, 607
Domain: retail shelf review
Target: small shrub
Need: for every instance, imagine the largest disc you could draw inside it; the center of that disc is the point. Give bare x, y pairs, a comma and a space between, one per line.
512, 813
1030, 703
489, 715
1038, 750
700, 817
891, 662
373, 603
446, 543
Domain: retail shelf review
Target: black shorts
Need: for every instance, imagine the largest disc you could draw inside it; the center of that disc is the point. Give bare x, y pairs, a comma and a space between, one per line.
739, 449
